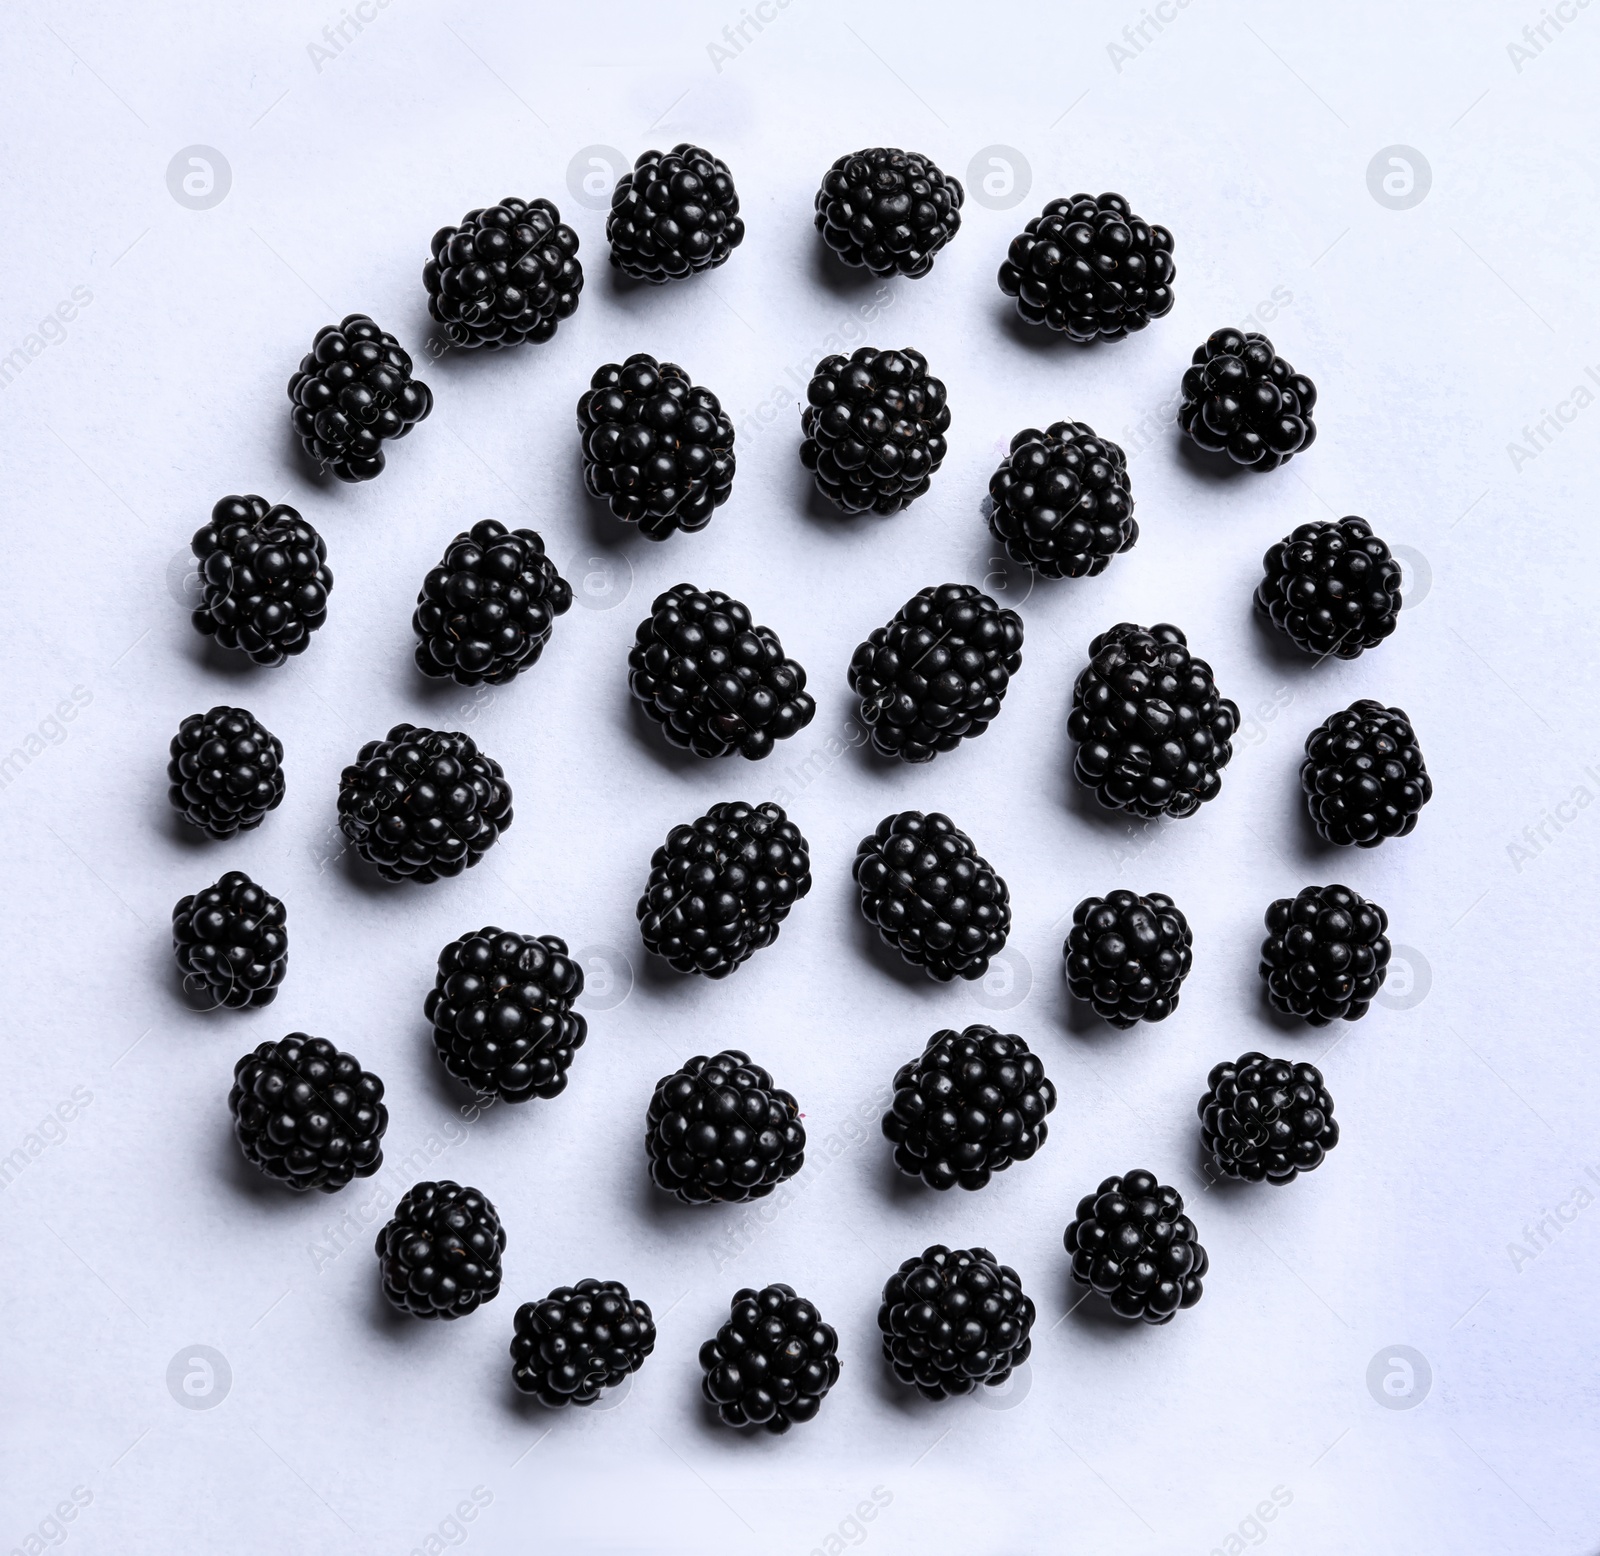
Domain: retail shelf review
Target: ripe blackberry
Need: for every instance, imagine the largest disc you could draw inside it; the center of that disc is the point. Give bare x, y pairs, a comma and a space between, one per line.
1363, 776
308, 1115
439, 1256
713, 680
507, 274
1241, 398
1128, 955
1331, 588
1132, 1244
354, 392
954, 1318
226, 771
937, 673
720, 887
1153, 734
487, 610
231, 942
1325, 955
772, 1363
888, 211
673, 214
579, 1340
423, 803
931, 896
874, 429
1266, 1118
1090, 268
718, 1129
1060, 502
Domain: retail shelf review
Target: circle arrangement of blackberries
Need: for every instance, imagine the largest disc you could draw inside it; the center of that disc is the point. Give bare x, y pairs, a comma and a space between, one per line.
579, 1340
772, 1363
439, 1256
888, 211
1363, 775
225, 772
231, 942
1266, 1119
1127, 955
1325, 955
673, 214
1241, 398
1331, 588
1132, 1244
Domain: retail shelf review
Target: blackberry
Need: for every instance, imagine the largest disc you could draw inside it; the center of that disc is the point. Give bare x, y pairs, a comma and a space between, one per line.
423, 803
487, 610
874, 428
1266, 1118
353, 393
954, 1318
930, 896
1127, 955
579, 1340
674, 214
226, 771
1331, 588
713, 680
439, 1256
937, 673
1090, 268
1363, 776
888, 211
720, 887
1241, 398
308, 1115
718, 1129
772, 1363
508, 273
1132, 1244
1325, 955
231, 942
1153, 734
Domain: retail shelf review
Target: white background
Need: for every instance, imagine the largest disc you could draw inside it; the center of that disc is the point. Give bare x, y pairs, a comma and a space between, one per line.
1435, 334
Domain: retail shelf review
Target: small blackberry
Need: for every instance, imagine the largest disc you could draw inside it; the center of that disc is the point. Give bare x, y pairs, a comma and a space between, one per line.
231, 942
772, 1363
579, 1340
1266, 1118
1325, 955
1241, 398
1363, 776
226, 771
439, 1256
888, 211
1060, 502
1132, 1244
1127, 955
1331, 588
673, 214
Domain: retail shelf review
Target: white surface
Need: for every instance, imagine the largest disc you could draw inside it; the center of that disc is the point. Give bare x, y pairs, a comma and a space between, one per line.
1434, 335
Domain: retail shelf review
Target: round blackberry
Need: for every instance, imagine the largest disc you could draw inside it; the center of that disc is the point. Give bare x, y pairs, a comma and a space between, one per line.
507, 274
888, 211
308, 1115
772, 1363
423, 803
1153, 734
874, 429
1241, 398
1266, 1118
1128, 955
579, 1340
1325, 955
1060, 502
674, 214
231, 942
1331, 588
487, 610
930, 896
226, 771
354, 392
937, 673
1363, 776
954, 1318
713, 680
1090, 268
720, 887
1132, 1244
439, 1256
718, 1129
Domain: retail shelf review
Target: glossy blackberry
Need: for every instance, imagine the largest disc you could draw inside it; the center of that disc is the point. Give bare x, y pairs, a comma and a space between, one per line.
718, 1129
1325, 955
1132, 1244
231, 942
439, 1256
937, 673
1060, 502
579, 1340
226, 771
888, 211
1363, 776
308, 1115
1127, 955
673, 214
1242, 399
874, 429
1266, 1119
353, 393
1331, 588
487, 610
1153, 734
772, 1363
1088, 267
423, 803
720, 887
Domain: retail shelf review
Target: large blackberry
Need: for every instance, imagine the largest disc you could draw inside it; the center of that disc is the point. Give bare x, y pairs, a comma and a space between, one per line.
1331, 588
1132, 1244
439, 1256
1060, 502
423, 803
888, 211
937, 673
231, 942
1241, 398
1153, 734
1128, 955
226, 771
1325, 955
1090, 268
1266, 1118
1363, 776
930, 896
874, 429
354, 392
673, 214
721, 886
772, 1363
579, 1340
718, 1129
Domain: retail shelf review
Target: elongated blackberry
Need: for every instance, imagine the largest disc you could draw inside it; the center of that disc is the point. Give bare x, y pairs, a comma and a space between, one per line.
1060, 502
673, 214
1363, 775
888, 211
1331, 588
226, 771
439, 1256
579, 1340
1266, 1119
772, 1363
1325, 955
1241, 398
1132, 1244
1128, 955
231, 942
